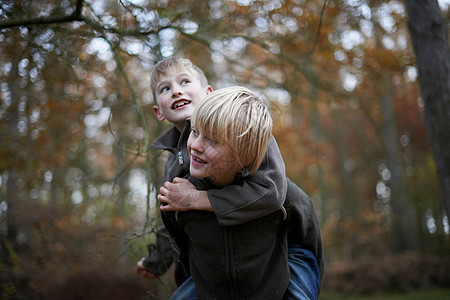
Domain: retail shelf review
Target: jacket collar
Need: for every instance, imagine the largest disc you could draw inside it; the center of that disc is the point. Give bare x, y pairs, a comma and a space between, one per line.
173, 140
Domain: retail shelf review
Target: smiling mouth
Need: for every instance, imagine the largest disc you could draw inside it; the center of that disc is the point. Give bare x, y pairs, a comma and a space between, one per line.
180, 103
198, 160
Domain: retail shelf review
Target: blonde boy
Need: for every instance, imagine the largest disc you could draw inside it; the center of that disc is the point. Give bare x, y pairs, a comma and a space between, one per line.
230, 131
178, 87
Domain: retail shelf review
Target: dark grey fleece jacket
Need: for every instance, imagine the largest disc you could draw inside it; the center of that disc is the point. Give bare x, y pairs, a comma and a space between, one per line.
267, 189
245, 261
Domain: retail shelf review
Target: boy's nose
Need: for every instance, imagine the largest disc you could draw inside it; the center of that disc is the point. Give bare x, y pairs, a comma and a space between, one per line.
197, 145
176, 92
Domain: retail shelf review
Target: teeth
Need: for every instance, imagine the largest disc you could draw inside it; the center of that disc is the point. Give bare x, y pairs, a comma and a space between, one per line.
199, 160
181, 103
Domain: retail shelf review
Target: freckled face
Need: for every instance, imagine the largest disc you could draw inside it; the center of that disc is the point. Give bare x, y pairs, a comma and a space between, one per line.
177, 96
211, 159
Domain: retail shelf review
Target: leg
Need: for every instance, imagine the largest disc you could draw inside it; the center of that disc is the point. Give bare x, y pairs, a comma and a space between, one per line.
186, 291
305, 281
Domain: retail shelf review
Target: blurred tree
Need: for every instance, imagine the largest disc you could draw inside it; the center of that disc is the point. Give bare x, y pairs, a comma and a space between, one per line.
430, 40
404, 219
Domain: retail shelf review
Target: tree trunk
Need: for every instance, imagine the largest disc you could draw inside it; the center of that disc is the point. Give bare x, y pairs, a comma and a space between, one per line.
430, 40
317, 137
349, 209
12, 189
404, 217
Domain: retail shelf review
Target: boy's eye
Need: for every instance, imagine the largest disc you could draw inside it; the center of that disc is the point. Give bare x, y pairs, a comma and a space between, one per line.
164, 89
211, 141
194, 132
185, 81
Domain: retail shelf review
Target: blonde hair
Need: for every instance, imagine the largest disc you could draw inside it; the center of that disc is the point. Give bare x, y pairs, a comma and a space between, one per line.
236, 117
174, 64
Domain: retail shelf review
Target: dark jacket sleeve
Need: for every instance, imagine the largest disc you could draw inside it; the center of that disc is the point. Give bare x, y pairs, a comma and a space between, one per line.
303, 224
260, 194
160, 255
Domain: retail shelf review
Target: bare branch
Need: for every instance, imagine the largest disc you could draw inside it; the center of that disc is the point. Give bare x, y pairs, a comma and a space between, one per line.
75, 16
143, 121
308, 74
322, 12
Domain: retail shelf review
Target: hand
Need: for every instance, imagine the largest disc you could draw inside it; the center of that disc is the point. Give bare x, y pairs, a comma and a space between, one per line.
178, 195
181, 195
140, 270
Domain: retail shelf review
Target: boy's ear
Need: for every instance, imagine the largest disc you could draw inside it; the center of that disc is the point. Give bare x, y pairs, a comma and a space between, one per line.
158, 114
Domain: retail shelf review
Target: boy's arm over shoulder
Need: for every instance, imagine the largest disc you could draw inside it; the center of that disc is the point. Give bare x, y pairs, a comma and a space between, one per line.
261, 193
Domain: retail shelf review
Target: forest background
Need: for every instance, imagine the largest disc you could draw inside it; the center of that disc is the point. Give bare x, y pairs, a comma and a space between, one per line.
78, 181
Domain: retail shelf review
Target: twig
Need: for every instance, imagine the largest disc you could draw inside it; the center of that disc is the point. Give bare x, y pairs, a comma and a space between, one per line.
322, 12
75, 16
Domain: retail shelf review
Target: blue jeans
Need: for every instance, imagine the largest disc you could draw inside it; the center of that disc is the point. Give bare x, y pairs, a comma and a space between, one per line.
303, 285
305, 279
186, 291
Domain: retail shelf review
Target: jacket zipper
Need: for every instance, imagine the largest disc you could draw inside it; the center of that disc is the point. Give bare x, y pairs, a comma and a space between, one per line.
180, 157
230, 270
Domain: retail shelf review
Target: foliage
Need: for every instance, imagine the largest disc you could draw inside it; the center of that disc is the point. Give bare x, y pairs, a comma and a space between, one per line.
416, 295
76, 171
389, 273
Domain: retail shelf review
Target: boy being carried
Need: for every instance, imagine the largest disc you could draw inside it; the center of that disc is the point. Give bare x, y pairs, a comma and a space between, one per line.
230, 131
178, 86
